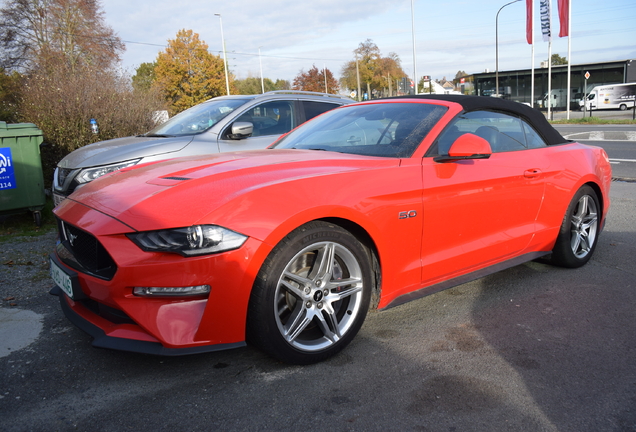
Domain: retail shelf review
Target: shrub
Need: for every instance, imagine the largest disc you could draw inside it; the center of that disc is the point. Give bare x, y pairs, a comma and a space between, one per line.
61, 100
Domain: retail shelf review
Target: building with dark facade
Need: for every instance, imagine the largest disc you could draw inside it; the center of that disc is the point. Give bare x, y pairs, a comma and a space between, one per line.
515, 84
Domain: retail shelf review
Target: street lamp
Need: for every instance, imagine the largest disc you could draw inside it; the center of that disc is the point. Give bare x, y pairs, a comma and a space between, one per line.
414, 55
497, 46
227, 81
261, 65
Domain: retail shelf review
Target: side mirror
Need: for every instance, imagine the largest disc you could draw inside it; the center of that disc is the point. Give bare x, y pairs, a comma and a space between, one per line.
241, 130
467, 146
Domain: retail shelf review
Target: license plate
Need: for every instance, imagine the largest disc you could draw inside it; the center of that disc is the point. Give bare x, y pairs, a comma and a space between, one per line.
61, 279
57, 199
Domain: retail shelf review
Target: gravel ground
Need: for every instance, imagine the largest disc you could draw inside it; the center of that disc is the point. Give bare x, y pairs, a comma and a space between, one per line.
24, 271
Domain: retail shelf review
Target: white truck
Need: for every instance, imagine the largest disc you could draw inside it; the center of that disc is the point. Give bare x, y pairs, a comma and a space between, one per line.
619, 96
559, 99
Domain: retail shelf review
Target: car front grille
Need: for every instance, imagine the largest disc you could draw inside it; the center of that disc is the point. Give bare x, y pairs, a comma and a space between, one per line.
83, 252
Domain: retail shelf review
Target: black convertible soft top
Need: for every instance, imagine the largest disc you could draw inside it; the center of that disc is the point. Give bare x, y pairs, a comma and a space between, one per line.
473, 103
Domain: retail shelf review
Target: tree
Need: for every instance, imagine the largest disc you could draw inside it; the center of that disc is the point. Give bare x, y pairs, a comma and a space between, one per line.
281, 84
314, 80
377, 73
31, 31
558, 60
9, 95
61, 100
145, 76
187, 74
389, 70
458, 76
252, 85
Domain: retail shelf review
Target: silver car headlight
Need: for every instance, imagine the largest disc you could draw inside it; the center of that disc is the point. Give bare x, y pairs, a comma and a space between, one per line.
89, 174
189, 241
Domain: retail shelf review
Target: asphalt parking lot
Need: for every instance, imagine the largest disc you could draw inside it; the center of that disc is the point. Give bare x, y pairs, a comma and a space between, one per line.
532, 348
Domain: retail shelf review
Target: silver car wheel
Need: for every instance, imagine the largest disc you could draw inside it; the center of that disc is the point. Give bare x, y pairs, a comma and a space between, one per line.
584, 223
318, 296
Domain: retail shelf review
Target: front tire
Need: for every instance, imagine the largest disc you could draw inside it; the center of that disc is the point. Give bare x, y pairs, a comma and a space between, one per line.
311, 295
579, 231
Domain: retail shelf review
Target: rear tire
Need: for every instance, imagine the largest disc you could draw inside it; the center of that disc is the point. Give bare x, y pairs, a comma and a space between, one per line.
579, 231
311, 295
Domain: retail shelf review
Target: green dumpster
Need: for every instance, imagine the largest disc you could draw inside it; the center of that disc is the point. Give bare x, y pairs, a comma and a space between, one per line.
21, 178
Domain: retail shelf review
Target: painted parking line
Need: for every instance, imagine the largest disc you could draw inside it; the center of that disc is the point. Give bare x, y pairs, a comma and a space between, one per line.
617, 161
602, 136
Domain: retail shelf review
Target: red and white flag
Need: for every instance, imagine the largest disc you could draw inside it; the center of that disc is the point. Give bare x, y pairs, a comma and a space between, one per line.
529, 21
564, 8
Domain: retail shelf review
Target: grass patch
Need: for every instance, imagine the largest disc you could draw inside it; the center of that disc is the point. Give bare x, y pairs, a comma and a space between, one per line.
593, 121
23, 224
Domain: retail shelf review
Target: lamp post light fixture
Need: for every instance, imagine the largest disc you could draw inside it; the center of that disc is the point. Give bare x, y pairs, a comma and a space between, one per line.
260, 63
497, 47
227, 81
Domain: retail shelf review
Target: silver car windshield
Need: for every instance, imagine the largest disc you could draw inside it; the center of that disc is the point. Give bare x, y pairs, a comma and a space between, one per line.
197, 119
386, 129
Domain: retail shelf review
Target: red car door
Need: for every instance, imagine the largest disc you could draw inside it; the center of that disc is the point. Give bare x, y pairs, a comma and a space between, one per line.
481, 211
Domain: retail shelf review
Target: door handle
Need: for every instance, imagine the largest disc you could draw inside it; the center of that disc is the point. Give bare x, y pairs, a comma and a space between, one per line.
532, 173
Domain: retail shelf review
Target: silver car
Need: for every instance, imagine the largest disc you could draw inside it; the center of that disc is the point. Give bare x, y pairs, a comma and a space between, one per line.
222, 124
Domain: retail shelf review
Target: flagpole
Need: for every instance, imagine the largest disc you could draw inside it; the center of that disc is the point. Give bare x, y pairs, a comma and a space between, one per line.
549, 76
569, 53
549, 98
532, 73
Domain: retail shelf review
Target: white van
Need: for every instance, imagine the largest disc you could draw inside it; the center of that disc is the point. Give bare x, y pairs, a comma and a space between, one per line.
619, 96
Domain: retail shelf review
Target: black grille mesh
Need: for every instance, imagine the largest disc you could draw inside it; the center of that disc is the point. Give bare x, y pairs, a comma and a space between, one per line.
86, 253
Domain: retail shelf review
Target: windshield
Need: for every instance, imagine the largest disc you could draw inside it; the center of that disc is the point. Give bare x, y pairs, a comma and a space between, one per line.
197, 119
392, 129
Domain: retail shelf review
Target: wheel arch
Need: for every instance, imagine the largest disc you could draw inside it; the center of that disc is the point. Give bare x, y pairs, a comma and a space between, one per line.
363, 236
601, 199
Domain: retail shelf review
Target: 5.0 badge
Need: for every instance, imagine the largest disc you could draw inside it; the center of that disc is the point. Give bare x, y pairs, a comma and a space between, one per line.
407, 214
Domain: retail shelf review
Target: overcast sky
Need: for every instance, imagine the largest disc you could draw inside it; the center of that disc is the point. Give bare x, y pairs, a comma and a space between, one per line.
293, 35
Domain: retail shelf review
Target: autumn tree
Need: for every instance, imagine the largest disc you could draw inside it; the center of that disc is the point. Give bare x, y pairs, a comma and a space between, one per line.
33, 31
187, 73
377, 73
314, 80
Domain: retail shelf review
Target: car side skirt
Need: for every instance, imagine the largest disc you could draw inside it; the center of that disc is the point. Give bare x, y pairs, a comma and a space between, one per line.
468, 277
101, 340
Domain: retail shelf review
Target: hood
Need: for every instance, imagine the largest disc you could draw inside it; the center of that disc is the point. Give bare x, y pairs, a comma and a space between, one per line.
180, 192
122, 149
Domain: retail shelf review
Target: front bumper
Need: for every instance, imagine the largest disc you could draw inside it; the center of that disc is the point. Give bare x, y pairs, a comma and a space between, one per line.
105, 307
80, 317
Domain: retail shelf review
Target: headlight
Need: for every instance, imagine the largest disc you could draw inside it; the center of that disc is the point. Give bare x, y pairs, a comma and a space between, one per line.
189, 241
90, 174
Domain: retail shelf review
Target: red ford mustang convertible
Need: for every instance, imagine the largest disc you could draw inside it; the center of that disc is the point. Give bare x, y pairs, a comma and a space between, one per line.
369, 205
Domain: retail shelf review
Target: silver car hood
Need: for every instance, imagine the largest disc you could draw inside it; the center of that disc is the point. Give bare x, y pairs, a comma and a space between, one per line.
122, 149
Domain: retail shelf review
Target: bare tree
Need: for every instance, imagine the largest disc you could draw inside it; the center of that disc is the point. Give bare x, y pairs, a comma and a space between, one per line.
32, 31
